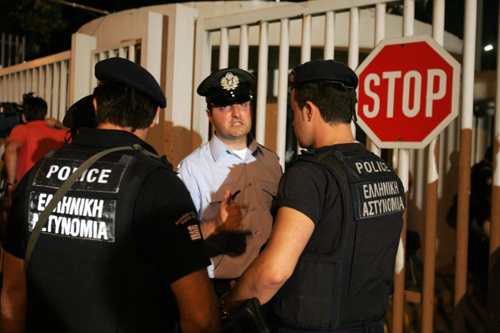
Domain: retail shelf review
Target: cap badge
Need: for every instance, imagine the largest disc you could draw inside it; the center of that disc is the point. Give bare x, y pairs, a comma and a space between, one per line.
230, 81
291, 77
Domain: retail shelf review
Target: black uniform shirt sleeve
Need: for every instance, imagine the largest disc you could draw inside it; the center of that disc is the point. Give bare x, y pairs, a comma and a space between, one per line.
166, 226
312, 190
306, 188
15, 239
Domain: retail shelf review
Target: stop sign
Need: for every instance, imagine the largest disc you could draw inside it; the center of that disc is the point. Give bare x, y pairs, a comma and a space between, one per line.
408, 92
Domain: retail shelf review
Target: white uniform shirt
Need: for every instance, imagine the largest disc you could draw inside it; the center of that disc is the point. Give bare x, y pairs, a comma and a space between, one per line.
212, 168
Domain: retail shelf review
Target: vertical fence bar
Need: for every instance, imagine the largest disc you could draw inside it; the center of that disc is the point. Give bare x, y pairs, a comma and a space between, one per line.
2, 88
224, 48
244, 47
121, 52
465, 164
29, 80
11, 91
41, 81
400, 267
22, 83
494, 260
16, 87
305, 50
401, 159
63, 89
283, 91
432, 197
55, 90
3, 50
48, 88
202, 61
353, 52
131, 53
34, 80
329, 51
380, 9
260, 131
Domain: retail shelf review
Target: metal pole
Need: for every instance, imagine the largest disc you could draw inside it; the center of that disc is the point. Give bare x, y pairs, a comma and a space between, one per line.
283, 90
399, 274
380, 10
353, 52
244, 47
432, 198
260, 131
403, 171
329, 35
305, 50
430, 237
464, 165
224, 48
494, 269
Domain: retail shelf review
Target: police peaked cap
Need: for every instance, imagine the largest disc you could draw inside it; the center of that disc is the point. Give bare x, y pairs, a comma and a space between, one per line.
227, 86
81, 114
130, 74
323, 70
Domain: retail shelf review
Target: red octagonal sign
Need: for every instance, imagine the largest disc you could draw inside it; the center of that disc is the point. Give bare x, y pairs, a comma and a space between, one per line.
408, 92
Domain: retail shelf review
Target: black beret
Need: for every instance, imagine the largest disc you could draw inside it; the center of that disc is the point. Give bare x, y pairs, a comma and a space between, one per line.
130, 74
227, 86
81, 114
323, 70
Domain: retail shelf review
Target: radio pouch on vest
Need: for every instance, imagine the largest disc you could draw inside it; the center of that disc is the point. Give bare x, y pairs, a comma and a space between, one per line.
61, 192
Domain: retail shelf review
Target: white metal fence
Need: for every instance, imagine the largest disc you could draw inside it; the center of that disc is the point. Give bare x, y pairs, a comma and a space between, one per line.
46, 77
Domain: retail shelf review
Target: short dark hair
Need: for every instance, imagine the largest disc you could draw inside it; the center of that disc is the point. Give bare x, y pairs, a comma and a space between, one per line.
123, 106
34, 108
335, 101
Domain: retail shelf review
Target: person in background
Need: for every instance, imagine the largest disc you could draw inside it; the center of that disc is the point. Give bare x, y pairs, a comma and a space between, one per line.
31, 141
232, 179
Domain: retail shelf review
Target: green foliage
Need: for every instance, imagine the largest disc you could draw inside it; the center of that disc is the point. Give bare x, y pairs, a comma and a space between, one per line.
37, 20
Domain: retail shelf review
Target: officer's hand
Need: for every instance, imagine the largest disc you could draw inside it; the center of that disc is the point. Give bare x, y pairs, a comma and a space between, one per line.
51, 122
229, 219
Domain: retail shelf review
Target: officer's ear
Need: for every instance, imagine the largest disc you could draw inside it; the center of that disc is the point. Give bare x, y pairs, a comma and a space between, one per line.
156, 117
95, 105
209, 115
310, 110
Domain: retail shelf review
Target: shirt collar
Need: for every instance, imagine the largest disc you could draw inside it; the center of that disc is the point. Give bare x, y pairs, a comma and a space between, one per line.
105, 138
219, 148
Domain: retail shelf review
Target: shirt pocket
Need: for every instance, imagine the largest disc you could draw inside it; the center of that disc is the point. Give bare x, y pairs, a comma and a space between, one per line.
214, 200
270, 190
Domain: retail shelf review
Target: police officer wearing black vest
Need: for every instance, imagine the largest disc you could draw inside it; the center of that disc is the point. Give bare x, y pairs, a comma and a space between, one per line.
122, 249
329, 263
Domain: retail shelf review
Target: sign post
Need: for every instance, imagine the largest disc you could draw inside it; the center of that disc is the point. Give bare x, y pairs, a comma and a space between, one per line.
408, 92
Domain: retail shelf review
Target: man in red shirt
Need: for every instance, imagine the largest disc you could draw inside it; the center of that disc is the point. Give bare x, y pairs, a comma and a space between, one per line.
31, 141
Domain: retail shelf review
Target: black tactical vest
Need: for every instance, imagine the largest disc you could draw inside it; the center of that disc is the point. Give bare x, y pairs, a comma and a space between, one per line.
85, 267
352, 284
